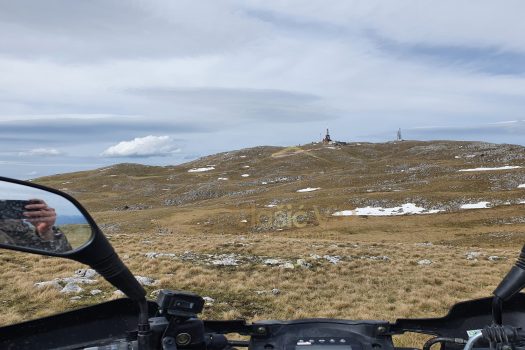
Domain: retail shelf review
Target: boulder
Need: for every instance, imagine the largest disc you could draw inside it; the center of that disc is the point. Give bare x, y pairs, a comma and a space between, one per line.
71, 288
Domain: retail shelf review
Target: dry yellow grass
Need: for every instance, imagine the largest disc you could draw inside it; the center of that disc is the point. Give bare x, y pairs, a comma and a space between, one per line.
358, 287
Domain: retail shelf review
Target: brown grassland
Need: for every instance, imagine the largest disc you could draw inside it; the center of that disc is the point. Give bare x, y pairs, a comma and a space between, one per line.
190, 214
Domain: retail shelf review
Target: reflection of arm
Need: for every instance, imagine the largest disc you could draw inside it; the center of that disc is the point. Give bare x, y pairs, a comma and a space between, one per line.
59, 240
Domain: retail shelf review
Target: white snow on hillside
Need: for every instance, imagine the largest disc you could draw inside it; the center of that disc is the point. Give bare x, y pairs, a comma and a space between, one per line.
521, 186
222, 178
245, 175
479, 205
200, 170
407, 208
309, 189
507, 167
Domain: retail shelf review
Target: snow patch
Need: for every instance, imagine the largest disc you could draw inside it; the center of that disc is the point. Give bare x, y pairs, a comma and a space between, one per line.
521, 186
507, 167
407, 208
245, 175
309, 189
200, 170
222, 178
479, 205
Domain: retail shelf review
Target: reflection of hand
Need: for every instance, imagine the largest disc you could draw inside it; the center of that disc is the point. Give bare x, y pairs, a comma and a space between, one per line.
42, 217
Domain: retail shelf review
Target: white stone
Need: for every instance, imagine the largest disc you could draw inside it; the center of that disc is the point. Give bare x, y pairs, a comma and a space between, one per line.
86, 273
145, 281
272, 262
303, 263
95, 292
473, 255
228, 261
495, 258
119, 293
45, 284
71, 288
332, 259
208, 300
424, 262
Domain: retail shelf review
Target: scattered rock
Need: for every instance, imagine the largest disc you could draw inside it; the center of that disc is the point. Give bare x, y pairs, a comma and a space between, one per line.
78, 297
288, 266
303, 263
77, 280
226, 261
208, 300
71, 288
276, 291
119, 293
333, 259
496, 258
153, 255
424, 262
86, 273
376, 258
145, 281
473, 255
272, 262
45, 284
95, 292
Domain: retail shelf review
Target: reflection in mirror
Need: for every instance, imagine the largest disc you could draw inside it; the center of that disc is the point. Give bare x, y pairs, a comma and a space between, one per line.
39, 220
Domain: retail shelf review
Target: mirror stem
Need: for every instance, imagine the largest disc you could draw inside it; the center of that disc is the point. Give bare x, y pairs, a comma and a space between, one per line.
144, 332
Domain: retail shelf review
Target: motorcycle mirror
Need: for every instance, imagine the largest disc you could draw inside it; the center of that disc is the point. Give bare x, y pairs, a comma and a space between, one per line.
40, 221
45, 221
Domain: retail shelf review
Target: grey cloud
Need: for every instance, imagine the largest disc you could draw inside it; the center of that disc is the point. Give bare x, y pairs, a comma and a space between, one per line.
489, 59
503, 128
243, 103
66, 130
96, 30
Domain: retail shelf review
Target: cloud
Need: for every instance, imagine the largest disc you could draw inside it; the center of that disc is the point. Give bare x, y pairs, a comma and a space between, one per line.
149, 146
222, 75
234, 105
69, 130
42, 152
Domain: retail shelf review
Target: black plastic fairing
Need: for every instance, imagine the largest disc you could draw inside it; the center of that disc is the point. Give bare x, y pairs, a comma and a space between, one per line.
323, 334
468, 315
82, 327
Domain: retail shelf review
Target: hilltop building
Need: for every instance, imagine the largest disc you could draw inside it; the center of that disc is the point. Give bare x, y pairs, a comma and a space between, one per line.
327, 140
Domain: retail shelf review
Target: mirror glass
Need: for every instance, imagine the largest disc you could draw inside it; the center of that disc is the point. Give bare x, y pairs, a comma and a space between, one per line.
39, 220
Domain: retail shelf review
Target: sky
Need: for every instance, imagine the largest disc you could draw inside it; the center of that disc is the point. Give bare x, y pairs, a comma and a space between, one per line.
62, 206
86, 84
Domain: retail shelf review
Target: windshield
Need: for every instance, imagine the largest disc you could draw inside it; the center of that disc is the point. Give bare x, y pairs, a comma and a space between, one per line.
358, 160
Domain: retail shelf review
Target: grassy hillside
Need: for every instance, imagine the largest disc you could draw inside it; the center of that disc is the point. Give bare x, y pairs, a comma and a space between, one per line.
261, 249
